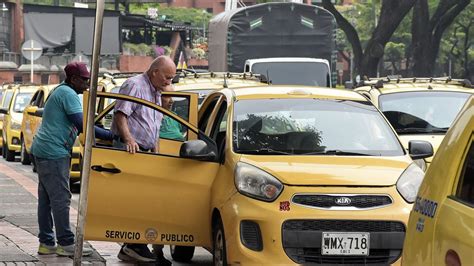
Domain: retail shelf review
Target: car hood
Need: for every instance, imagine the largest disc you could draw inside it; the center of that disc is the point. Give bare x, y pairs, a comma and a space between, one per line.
435, 141
332, 170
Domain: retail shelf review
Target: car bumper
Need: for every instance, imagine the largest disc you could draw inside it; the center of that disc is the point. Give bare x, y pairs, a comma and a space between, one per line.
13, 141
291, 233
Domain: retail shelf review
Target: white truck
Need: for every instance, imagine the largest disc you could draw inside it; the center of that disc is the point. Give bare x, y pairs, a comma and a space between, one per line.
292, 70
294, 43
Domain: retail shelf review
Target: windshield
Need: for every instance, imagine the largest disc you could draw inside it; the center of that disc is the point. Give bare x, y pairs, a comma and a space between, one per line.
311, 126
422, 112
21, 101
294, 73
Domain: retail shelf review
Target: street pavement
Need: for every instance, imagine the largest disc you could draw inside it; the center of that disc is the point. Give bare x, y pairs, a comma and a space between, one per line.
19, 227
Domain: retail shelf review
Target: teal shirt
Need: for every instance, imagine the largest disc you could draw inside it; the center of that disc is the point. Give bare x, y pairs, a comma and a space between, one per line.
56, 135
170, 129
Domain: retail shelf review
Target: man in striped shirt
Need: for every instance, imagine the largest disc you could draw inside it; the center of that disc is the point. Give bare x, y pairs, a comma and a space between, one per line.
137, 128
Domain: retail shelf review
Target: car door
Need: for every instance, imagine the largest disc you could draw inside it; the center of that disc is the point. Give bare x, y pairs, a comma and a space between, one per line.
31, 120
150, 197
454, 232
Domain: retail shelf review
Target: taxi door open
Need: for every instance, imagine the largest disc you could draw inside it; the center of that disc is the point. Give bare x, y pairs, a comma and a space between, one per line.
151, 197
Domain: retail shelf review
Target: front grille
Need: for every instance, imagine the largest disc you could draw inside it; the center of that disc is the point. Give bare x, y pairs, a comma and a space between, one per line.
331, 201
344, 226
302, 240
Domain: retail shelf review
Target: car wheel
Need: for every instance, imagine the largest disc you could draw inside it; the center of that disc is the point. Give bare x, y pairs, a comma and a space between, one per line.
9, 154
24, 155
219, 253
182, 253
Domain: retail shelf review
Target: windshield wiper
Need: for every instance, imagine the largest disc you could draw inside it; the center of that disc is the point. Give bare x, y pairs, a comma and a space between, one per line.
421, 130
264, 151
337, 152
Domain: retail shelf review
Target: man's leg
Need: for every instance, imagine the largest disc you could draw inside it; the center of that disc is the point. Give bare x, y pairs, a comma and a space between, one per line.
132, 252
45, 219
60, 197
160, 256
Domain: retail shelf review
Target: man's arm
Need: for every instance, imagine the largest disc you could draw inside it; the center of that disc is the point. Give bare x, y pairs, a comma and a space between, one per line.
101, 133
122, 126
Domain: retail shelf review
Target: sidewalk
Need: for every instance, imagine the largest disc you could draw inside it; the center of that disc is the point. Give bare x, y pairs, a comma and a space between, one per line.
19, 228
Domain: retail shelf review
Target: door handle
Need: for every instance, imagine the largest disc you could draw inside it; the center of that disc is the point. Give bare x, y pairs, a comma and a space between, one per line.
100, 168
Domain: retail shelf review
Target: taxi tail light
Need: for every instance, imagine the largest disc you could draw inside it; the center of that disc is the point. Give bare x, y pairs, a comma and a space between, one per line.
256, 183
409, 182
250, 235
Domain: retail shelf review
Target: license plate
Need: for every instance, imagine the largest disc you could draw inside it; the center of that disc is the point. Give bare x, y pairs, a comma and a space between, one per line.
335, 243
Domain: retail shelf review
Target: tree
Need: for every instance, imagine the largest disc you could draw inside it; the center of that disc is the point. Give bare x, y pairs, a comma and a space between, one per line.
391, 14
427, 31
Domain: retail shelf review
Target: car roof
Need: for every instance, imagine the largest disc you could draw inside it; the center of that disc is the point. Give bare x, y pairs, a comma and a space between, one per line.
215, 81
387, 85
286, 59
286, 91
28, 88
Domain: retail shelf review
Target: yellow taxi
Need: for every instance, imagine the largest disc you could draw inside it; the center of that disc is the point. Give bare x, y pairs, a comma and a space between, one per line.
13, 116
32, 120
265, 175
441, 226
6, 92
419, 108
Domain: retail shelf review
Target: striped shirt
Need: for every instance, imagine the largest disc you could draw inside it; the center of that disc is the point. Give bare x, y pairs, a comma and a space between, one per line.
143, 122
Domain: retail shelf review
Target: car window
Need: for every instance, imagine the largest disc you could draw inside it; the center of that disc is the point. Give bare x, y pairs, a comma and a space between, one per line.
312, 126
465, 190
207, 113
21, 101
422, 112
8, 98
34, 99
294, 73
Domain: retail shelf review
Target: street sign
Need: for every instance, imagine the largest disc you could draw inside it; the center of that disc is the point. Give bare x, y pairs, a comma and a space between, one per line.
31, 50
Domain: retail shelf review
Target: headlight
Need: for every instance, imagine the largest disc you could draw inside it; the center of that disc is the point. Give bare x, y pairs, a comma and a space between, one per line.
256, 183
409, 182
15, 125
421, 163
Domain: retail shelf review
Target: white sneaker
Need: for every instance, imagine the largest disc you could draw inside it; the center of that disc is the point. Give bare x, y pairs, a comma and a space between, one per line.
67, 251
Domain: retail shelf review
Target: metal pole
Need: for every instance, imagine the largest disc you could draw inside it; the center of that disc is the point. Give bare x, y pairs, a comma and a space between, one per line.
31, 62
86, 160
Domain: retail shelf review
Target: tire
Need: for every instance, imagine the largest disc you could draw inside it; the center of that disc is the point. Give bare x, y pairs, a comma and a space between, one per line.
219, 252
4, 146
24, 155
9, 154
182, 253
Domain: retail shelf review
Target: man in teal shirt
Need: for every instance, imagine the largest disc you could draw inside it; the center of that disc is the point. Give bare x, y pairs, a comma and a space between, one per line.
52, 146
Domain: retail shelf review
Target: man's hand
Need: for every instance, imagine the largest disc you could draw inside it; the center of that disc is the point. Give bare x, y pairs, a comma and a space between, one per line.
132, 146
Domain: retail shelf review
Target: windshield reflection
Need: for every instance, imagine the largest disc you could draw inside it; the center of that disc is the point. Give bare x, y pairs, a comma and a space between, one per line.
311, 126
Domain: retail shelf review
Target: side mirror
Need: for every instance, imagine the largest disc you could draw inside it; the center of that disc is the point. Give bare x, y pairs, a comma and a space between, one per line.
420, 149
198, 150
3, 111
31, 110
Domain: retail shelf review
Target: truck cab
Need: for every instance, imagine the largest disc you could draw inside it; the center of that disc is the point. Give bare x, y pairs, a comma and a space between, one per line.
292, 70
